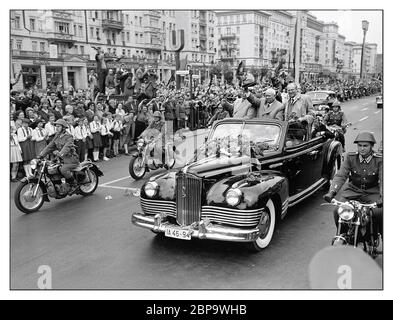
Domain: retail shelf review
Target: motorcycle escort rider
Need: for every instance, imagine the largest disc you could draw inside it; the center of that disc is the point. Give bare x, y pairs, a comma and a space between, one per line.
156, 130
63, 146
337, 117
364, 170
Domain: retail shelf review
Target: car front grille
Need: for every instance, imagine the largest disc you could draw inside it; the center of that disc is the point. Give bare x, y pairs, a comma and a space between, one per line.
153, 207
232, 217
188, 198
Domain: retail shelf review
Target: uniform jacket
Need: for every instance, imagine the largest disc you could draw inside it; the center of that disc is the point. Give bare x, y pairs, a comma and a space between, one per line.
363, 177
337, 118
64, 143
260, 109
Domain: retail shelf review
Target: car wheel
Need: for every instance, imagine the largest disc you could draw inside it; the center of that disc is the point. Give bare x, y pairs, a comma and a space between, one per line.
267, 225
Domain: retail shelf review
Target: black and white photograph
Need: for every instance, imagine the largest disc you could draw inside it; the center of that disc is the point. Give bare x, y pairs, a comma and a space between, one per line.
196, 149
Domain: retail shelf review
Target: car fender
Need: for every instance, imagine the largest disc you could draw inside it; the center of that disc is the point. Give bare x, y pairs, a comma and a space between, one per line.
331, 150
166, 187
257, 188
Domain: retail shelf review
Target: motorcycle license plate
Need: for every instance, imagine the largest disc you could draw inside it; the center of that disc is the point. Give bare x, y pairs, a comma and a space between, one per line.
177, 233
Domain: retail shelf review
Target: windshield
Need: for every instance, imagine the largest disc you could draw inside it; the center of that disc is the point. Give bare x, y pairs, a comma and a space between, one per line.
317, 95
237, 139
253, 132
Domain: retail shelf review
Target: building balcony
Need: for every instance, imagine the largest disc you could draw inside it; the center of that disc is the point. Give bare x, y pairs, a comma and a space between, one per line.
64, 55
112, 24
153, 13
152, 29
202, 36
202, 22
62, 15
35, 54
228, 36
154, 46
60, 37
227, 59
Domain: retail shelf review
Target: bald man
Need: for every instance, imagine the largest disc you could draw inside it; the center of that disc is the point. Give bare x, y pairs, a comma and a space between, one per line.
265, 108
299, 106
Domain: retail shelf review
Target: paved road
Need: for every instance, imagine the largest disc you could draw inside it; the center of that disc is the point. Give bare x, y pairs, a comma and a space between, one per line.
89, 243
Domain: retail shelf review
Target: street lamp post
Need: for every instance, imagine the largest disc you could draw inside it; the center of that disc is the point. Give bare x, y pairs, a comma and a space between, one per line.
365, 28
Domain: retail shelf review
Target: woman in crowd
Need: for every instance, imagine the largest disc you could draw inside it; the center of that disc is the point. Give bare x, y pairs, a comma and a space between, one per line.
141, 120
15, 154
120, 110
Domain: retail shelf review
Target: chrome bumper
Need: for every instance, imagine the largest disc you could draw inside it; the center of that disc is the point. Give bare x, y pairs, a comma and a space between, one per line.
203, 229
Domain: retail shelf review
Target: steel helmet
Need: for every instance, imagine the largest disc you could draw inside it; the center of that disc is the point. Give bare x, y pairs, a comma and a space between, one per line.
336, 103
365, 137
157, 114
62, 123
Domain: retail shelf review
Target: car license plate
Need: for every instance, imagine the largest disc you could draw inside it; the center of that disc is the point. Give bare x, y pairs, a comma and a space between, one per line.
178, 233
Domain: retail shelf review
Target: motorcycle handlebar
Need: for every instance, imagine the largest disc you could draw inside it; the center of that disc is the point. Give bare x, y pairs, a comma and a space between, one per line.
370, 205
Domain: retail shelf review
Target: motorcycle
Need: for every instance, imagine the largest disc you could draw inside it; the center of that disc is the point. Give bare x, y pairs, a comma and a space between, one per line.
339, 131
47, 181
361, 229
143, 160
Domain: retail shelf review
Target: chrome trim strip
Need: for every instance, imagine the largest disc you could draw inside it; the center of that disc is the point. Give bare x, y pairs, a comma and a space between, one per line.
203, 229
306, 193
292, 155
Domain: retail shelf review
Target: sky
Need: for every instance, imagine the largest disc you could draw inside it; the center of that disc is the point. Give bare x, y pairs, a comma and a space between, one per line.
350, 24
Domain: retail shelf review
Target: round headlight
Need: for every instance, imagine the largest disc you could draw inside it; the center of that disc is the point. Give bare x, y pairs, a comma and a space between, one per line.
346, 213
140, 143
33, 164
233, 197
151, 189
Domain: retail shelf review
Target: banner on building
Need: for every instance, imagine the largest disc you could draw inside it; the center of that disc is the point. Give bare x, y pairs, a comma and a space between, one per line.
53, 51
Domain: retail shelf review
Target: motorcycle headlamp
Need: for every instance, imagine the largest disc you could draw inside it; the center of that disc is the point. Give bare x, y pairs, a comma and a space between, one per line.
151, 188
33, 164
346, 212
233, 197
140, 143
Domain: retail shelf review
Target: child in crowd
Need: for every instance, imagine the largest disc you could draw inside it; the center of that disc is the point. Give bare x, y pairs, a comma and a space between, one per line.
15, 154
39, 136
50, 128
89, 146
105, 134
117, 126
95, 129
80, 135
127, 132
27, 145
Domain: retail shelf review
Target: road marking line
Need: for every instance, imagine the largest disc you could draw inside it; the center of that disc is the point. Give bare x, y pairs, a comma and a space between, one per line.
120, 188
113, 181
376, 112
363, 119
364, 109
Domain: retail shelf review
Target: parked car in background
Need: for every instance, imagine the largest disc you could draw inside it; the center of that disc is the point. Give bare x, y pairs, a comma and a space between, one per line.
379, 101
240, 183
322, 98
